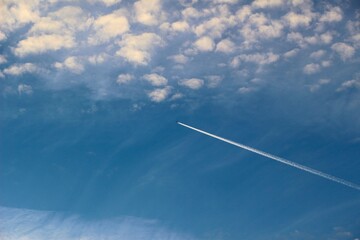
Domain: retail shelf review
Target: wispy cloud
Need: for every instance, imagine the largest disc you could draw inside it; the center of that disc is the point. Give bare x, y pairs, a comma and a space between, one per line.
31, 224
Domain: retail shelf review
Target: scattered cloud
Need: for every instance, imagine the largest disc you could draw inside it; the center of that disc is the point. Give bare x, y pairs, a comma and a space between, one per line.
267, 3
73, 64
43, 43
291, 53
149, 12
137, 49
193, 83
179, 58
19, 69
317, 54
213, 81
155, 79
124, 78
159, 94
344, 50
3, 59
350, 84
295, 20
257, 58
109, 26
225, 46
25, 89
204, 44
41, 225
315, 87
333, 14
311, 68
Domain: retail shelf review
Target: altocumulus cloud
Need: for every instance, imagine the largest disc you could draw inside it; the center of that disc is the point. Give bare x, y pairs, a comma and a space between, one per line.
39, 225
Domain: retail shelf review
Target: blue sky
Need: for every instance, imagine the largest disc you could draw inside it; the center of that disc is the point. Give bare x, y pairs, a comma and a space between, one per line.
91, 92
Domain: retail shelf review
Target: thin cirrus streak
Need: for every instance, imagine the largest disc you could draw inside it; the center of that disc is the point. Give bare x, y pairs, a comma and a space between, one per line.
279, 159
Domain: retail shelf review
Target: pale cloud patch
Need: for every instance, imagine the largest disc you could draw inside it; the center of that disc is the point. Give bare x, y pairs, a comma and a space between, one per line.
213, 81
334, 14
3, 59
25, 89
43, 43
2, 36
215, 26
258, 26
124, 78
291, 53
243, 13
149, 12
204, 44
98, 58
137, 49
19, 69
267, 3
295, 20
315, 87
107, 3
311, 68
355, 83
317, 54
179, 58
245, 90
193, 83
73, 64
159, 94
225, 46
191, 12
15, 14
155, 79
256, 58
24, 224
344, 50
109, 26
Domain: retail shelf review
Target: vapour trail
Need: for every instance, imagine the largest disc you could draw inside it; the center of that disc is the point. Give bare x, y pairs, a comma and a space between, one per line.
279, 159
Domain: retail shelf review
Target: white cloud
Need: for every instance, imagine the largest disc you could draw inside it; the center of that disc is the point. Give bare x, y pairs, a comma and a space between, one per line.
245, 90
97, 59
19, 69
213, 81
267, 3
179, 58
226, 1
191, 12
137, 48
295, 20
291, 53
155, 79
23, 224
243, 13
193, 83
43, 43
72, 64
334, 14
257, 58
215, 26
180, 26
109, 26
225, 46
15, 14
2, 36
159, 94
124, 78
2, 59
258, 26
317, 54
311, 68
204, 44
344, 50
25, 89
148, 12
349, 85
107, 3
315, 87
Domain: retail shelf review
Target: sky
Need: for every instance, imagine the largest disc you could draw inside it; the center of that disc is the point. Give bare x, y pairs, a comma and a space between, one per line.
90, 92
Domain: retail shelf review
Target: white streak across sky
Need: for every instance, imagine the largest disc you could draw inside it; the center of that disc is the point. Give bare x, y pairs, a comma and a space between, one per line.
279, 159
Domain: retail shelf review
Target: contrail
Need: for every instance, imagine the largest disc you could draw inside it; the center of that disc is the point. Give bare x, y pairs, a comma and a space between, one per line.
279, 159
